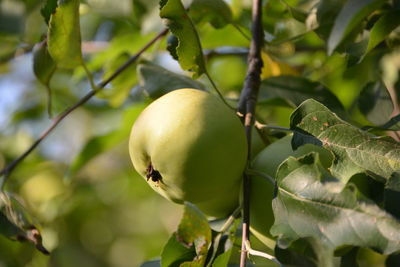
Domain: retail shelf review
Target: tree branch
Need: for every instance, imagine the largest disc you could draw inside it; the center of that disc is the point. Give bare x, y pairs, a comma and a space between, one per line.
11, 166
246, 108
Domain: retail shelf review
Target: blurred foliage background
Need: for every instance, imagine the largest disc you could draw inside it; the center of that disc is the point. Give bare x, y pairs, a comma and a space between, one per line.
79, 185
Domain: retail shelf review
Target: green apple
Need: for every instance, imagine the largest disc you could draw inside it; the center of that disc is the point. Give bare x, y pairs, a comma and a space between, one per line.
190, 146
262, 190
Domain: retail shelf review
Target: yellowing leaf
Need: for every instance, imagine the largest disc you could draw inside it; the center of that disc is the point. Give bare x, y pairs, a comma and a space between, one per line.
64, 37
275, 68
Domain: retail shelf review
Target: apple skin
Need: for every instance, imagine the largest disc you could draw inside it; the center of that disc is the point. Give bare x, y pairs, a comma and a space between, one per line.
262, 191
190, 146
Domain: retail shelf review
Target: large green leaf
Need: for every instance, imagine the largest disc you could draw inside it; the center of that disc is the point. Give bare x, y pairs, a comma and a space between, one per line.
158, 81
355, 151
352, 13
190, 244
189, 49
217, 12
102, 143
64, 37
310, 203
383, 27
294, 90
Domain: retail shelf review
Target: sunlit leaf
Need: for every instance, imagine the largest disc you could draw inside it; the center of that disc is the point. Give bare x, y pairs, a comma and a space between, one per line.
217, 12
64, 37
190, 244
355, 151
381, 29
194, 229
189, 50
352, 13
310, 203
375, 102
158, 81
174, 252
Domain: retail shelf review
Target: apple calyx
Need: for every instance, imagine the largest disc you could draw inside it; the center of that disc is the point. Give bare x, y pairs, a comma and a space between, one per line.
153, 174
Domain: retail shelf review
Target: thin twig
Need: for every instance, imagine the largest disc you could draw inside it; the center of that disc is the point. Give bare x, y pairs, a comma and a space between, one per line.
11, 166
246, 108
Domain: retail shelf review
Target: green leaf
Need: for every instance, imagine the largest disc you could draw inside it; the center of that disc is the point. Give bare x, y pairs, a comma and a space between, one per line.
223, 259
355, 151
194, 230
350, 16
190, 244
294, 90
64, 37
327, 11
44, 68
17, 224
121, 85
158, 81
48, 9
102, 143
383, 27
189, 50
217, 12
174, 252
309, 203
375, 103
43, 64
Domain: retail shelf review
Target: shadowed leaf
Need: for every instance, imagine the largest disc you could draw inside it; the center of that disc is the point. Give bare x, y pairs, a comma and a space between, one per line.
189, 49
